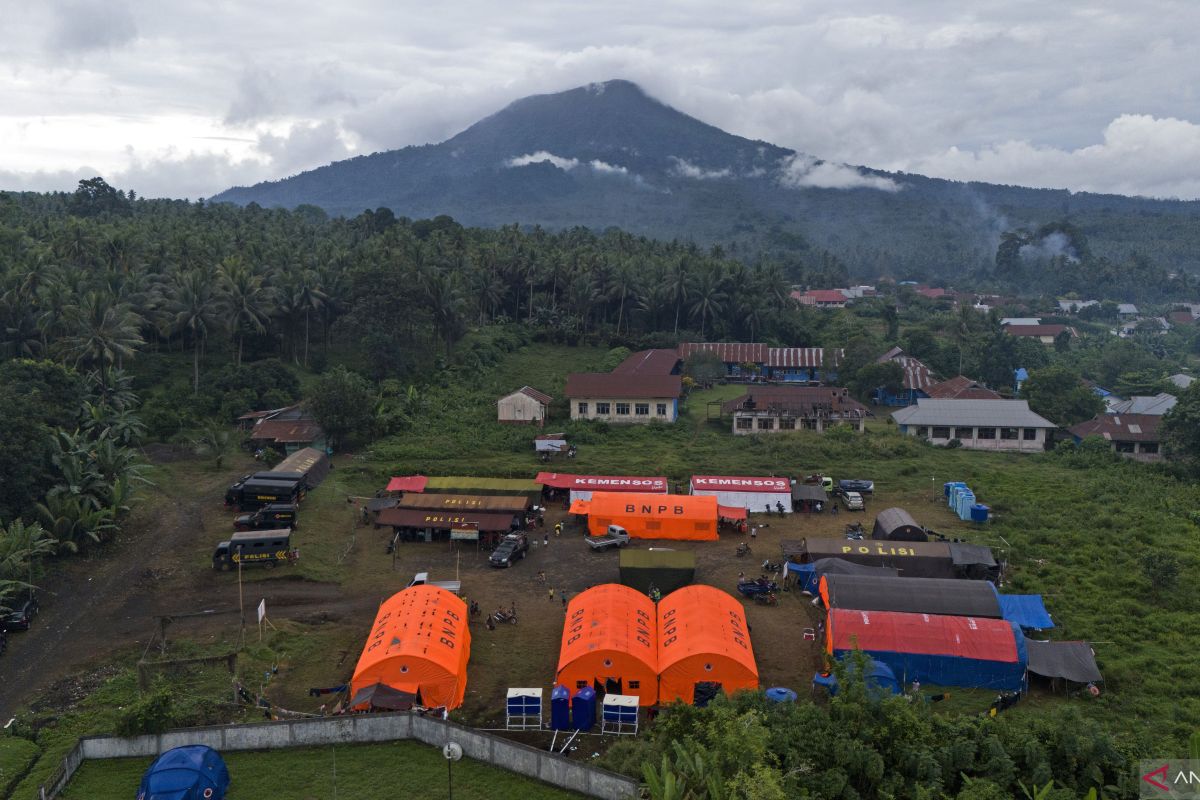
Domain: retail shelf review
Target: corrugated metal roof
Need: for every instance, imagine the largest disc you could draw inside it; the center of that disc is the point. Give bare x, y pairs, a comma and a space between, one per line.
804, 357
661, 361
1120, 427
1158, 405
803, 400
961, 388
728, 352
916, 374
986, 413
1037, 330
287, 431
541, 397
619, 386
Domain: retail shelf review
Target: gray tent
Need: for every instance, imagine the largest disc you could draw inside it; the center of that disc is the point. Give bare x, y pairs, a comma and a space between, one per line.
946, 596
1073, 661
973, 561
897, 525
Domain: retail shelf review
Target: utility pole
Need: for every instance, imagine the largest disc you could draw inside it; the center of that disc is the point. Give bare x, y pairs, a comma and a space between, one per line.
241, 596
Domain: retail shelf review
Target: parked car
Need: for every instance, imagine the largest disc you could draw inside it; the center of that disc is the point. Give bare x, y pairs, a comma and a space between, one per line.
512, 548
269, 517
21, 617
853, 501
860, 486
422, 579
615, 536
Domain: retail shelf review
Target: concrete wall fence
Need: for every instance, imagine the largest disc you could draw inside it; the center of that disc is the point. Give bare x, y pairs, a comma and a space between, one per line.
358, 729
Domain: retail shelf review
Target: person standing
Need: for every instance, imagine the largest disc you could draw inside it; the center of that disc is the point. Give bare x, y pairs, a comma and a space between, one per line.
550, 596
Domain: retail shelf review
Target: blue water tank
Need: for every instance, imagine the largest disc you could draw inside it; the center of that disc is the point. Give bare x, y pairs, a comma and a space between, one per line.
979, 513
778, 694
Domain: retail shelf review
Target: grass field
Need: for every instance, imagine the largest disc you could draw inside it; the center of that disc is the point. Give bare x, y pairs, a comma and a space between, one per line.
361, 772
1073, 528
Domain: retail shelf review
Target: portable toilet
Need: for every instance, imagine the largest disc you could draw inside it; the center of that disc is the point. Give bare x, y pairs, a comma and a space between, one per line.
583, 709
979, 513
560, 708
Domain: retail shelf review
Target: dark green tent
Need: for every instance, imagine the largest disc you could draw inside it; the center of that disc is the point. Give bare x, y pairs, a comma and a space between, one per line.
667, 569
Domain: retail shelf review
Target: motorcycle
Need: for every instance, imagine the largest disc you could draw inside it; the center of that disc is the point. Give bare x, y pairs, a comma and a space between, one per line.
743, 549
855, 531
769, 566
766, 599
502, 616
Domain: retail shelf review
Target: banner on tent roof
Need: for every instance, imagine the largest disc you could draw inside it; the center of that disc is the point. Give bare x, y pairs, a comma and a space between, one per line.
713, 483
602, 483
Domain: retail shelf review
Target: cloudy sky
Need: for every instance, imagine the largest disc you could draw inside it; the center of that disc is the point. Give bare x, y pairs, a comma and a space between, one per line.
187, 97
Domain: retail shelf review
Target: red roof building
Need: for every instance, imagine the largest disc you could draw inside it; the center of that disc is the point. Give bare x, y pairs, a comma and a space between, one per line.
821, 298
645, 387
1134, 436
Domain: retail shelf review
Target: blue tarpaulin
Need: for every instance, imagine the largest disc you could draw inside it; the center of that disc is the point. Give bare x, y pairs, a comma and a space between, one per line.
1027, 610
808, 576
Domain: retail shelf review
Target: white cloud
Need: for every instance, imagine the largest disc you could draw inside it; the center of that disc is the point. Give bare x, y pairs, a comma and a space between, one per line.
565, 164
800, 171
1139, 154
608, 169
685, 169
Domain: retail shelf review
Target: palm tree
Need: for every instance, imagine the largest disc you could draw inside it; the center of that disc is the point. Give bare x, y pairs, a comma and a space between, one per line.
308, 296
214, 441
624, 286
678, 283
246, 299
100, 332
708, 298
197, 311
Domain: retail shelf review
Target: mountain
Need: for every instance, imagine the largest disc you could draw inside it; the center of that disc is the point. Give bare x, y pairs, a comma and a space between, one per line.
607, 154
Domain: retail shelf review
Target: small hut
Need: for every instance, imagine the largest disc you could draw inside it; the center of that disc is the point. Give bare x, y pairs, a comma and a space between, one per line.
525, 405
897, 525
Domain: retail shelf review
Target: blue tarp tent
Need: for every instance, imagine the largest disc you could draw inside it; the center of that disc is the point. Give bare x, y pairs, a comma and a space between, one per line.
880, 679
193, 772
1027, 610
780, 694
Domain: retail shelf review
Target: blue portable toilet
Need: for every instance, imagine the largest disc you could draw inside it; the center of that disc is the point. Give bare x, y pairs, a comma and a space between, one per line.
192, 772
979, 513
778, 694
583, 709
560, 708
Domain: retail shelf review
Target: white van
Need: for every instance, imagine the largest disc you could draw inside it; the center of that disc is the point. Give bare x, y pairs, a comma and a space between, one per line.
853, 501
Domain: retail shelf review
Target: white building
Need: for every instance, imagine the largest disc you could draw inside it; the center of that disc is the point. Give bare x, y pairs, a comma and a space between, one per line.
526, 405
1007, 425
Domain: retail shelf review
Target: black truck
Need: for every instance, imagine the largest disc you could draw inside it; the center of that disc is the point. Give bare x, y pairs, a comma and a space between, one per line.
255, 548
253, 492
270, 517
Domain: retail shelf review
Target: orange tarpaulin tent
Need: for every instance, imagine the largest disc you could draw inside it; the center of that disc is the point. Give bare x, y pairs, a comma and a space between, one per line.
610, 635
702, 638
652, 516
419, 643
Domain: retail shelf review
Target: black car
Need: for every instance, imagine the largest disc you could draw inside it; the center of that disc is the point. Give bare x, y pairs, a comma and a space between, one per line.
511, 549
21, 617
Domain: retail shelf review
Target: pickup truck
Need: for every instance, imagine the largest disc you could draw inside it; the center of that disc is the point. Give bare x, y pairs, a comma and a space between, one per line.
269, 517
422, 579
615, 536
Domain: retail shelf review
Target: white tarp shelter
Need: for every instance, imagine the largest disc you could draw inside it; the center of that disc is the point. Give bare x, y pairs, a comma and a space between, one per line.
753, 494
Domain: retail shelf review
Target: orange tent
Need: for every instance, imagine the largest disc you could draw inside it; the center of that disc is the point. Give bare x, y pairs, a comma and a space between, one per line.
703, 637
610, 634
654, 516
419, 643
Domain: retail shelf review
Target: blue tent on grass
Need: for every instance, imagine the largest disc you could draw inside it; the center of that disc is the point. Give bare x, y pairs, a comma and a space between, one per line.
1027, 610
192, 772
880, 679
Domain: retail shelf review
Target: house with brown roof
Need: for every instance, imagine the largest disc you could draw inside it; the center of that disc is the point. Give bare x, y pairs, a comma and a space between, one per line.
1134, 436
917, 379
285, 429
779, 409
961, 387
526, 405
643, 388
1046, 334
